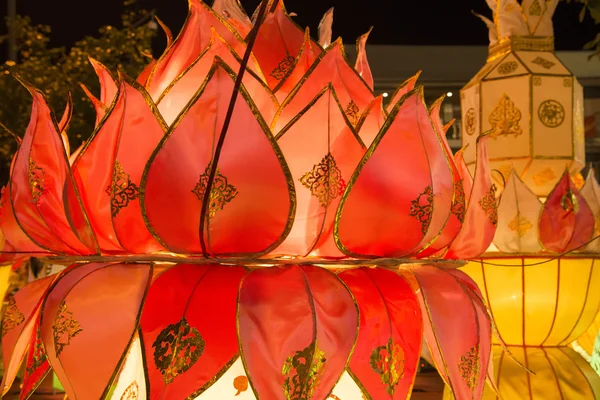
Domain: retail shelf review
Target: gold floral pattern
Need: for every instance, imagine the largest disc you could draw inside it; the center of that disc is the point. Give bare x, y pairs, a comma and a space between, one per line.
488, 203
388, 362
506, 118
568, 82
544, 176
422, 208
121, 190
302, 372
36, 177
65, 328
542, 62
469, 367
324, 181
507, 67
353, 113
283, 67
459, 202
39, 354
537, 81
569, 202
535, 9
176, 349
551, 113
132, 392
470, 121
240, 383
13, 317
520, 225
221, 192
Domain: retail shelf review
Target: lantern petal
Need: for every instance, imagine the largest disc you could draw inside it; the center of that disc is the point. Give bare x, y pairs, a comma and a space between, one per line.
36, 363
387, 351
464, 174
63, 125
371, 121
192, 40
18, 324
233, 12
330, 152
331, 67
481, 215
297, 327
78, 321
566, 221
361, 65
166, 30
194, 340
11, 229
45, 200
252, 197
518, 214
591, 193
97, 104
108, 84
325, 27
131, 381
179, 92
145, 74
383, 214
404, 88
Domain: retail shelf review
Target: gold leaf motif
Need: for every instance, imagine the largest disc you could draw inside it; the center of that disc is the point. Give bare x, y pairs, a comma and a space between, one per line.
568, 82
353, 113
388, 362
488, 203
121, 190
569, 202
470, 121
240, 384
131, 393
469, 367
537, 81
176, 349
542, 62
221, 191
39, 354
302, 372
544, 176
36, 180
459, 201
422, 208
13, 317
324, 181
551, 113
520, 225
505, 118
65, 328
508, 67
283, 67
535, 9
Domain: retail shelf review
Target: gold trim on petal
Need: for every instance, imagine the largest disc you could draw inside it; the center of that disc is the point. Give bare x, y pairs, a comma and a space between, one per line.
387, 361
221, 192
36, 177
469, 367
324, 181
488, 203
122, 190
422, 208
65, 327
302, 372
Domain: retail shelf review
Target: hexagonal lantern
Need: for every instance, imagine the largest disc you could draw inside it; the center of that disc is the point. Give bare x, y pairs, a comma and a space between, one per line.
527, 99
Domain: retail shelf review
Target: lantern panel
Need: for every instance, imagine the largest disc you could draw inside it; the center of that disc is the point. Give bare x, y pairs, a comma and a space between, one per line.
131, 381
542, 62
471, 121
509, 66
541, 176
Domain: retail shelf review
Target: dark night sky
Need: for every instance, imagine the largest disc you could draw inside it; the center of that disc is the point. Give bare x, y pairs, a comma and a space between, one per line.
417, 22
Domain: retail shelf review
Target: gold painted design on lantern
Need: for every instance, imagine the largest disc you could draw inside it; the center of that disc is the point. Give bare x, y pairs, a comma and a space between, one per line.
333, 397
459, 202
64, 328
221, 191
569, 202
388, 362
176, 349
488, 203
509, 7
544, 176
520, 225
132, 392
39, 354
240, 383
324, 181
505, 118
13, 317
283, 67
353, 113
121, 190
537, 81
36, 177
551, 113
469, 367
422, 208
470, 121
535, 9
568, 82
302, 372
507, 67
542, 62
579, 123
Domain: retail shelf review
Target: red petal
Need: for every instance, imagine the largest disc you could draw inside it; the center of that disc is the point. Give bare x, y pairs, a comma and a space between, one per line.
390, 326
91, 314
402, 90
36, 363
10, 228
371, 121
251, 213
289, 317
234, 14
97, 104
108, 85
362, 63
145, 74
203, 299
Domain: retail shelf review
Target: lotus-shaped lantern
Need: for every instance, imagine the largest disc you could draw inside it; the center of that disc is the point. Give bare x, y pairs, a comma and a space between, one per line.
248, 145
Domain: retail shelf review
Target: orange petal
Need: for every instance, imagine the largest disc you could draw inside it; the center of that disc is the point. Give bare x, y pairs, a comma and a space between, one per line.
362, 63
11, 229
145, 74
331, 67
108, 84
79, 322
382, 213
63, 125
166, 30
481, 215
202, 310
322, 151
289, 317
97, 104
402, 90
390, 333
45, 200
566, 221
464, 173
233, 12
36, 363
371, 121
253, 189
192, 40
